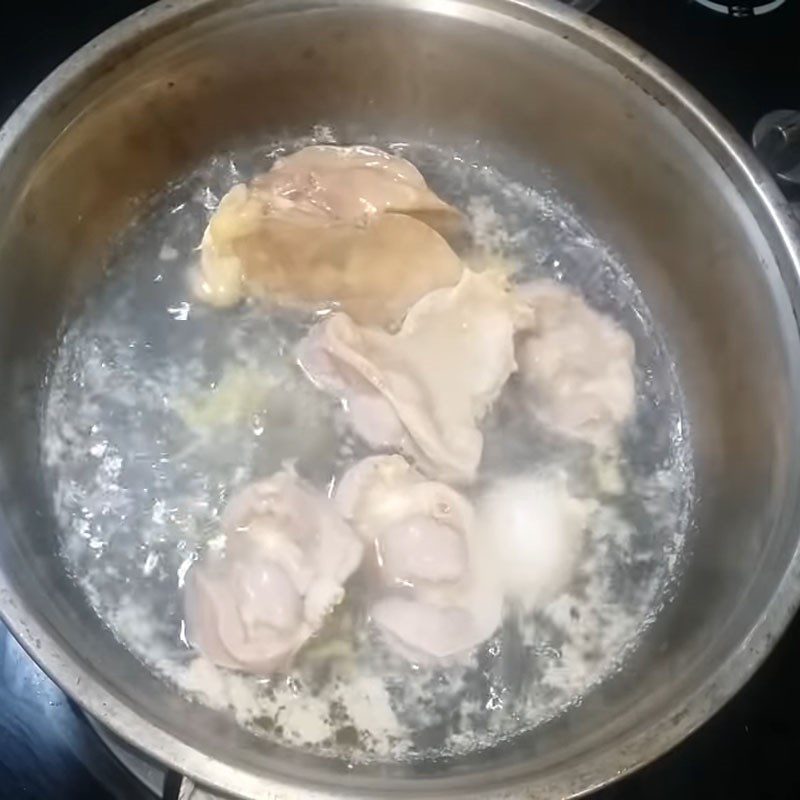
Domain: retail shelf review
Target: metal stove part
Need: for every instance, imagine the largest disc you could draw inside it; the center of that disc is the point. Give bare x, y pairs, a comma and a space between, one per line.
776, 139
149, 772
178, 787
741, 8
155, 777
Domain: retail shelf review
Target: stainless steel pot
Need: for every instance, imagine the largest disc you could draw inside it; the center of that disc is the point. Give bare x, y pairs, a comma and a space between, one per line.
654, 169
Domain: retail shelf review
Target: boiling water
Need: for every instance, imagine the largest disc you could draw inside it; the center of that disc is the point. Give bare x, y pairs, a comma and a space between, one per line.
159, 408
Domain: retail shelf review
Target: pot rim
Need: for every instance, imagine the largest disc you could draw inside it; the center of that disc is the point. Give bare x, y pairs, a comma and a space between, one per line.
708, 127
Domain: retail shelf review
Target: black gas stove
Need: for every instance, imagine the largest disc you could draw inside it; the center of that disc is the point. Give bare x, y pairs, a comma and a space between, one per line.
745, 57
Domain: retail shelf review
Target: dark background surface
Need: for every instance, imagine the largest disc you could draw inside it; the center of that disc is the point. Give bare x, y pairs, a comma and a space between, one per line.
746, 67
